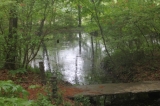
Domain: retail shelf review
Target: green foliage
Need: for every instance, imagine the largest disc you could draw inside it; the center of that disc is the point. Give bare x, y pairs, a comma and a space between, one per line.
59, 100
59, 75
10, 94
123, 61
130, 29
43, 101
34, 70
33, 86
15, 102
48, 74
18, 71
133, 25
35, 20
84, 101
9, 89
6, 3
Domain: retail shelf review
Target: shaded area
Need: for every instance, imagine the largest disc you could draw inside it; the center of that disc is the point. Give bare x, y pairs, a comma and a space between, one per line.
145, 93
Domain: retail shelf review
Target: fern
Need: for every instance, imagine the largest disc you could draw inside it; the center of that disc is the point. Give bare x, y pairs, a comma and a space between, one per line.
9, 89
15, 102
10, 93
18, 71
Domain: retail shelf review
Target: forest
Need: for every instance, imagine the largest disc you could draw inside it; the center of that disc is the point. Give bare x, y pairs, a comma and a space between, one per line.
128, 31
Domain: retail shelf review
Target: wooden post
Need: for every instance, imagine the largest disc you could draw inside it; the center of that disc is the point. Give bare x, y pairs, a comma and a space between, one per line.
54, 86
42, 72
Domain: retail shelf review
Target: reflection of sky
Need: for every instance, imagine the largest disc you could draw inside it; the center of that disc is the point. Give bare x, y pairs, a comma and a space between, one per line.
69, 58
72, 65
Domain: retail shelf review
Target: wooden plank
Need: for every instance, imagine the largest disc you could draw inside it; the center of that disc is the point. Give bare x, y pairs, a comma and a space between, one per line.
116, 88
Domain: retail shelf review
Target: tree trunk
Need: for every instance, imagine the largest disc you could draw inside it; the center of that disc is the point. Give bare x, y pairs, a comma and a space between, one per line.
10, 62
79, 25
79, 16
101, 31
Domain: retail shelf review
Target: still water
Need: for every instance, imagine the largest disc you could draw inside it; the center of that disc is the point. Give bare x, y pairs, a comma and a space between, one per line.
76, 56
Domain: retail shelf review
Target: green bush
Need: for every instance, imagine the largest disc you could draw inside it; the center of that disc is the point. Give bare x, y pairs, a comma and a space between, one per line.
15, 102
18, 71
11, 90
43, 101
10, 94
82, 101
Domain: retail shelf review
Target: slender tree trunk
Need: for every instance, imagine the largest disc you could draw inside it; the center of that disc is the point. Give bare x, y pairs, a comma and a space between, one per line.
11, 55
79, 25
144, 38
101, 31
45, 51
93, 56
40, 34
80, 42
79, 16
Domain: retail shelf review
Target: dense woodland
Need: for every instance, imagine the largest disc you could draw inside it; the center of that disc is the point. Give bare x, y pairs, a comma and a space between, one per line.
128, 29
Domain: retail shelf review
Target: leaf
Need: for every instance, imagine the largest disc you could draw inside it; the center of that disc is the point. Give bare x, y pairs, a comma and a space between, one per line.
33, 86
9, 89
15, 102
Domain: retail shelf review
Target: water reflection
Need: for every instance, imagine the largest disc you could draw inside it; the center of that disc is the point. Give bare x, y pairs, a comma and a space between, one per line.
72, 63
75, 56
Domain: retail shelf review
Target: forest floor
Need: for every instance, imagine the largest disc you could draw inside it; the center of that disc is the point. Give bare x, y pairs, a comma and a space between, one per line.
29, 79
141, 71
25, 80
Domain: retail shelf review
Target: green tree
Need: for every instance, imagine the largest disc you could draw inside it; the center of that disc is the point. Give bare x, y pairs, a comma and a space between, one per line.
129, 29
11, 36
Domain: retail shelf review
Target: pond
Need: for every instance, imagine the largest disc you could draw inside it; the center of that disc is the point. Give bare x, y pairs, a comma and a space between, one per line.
77, 56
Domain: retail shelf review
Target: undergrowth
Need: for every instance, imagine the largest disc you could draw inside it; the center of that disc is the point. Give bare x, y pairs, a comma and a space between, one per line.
131, 66
15, 95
